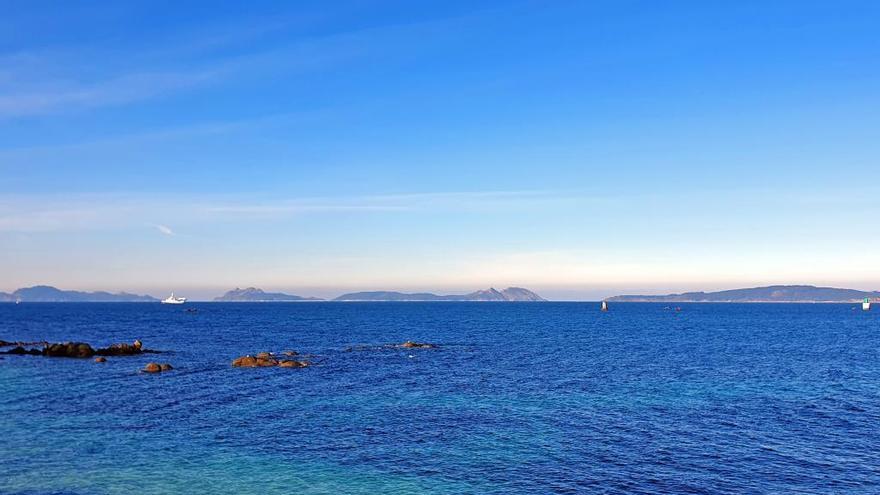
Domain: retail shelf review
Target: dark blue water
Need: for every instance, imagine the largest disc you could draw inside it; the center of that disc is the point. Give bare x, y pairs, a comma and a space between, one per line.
520, 398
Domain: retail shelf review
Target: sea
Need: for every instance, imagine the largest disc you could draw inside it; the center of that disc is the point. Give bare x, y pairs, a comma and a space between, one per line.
518, 398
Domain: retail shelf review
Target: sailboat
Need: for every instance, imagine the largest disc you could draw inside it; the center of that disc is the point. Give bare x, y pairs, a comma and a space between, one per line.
604, 306
866, 304
174, 300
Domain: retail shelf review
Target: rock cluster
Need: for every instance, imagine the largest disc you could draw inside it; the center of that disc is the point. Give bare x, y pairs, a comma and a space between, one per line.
69, 349
266, 360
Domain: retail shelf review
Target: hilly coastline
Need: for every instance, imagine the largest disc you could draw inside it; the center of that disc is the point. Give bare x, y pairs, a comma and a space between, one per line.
253, 294
46, 293
510, 294
773, 293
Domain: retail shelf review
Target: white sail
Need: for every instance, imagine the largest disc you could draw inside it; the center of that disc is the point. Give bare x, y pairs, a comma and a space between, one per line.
604, 306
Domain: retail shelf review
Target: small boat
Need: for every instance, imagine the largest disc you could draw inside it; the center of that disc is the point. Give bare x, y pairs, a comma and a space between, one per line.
604, 306
866, 304
174, 300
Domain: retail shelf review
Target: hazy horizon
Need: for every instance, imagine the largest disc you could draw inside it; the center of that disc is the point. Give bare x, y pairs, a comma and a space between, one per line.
203, 293
579, 149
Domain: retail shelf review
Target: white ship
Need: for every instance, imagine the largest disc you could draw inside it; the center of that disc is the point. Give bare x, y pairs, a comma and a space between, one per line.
174, 300
866, 304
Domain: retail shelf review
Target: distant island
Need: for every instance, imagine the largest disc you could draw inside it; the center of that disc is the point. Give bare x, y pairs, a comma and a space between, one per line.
510, 294
253, 294
46, 293
773, 293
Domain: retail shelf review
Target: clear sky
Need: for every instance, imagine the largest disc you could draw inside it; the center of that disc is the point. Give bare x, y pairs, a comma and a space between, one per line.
581, 149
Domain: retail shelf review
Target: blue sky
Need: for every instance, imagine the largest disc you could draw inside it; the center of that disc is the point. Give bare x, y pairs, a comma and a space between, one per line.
582, 149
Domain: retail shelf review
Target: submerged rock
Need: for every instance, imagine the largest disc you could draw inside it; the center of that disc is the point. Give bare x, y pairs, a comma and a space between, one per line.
100, 359
290, 363
409, 344
165, 367
21, 351
290, 353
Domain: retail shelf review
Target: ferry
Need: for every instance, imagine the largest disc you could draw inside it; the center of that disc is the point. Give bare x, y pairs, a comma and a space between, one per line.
866, 304
174, 300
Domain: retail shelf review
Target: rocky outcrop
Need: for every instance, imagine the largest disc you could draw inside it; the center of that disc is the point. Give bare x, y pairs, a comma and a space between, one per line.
77, 349
100, 359
266, 360
122, 349
69, 349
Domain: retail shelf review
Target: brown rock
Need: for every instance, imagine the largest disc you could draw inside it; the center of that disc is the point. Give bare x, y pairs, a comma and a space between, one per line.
264, 355
290, 353
266, 363
100, 359
289, 363
245, 362
152, 368
165, 367
137, 344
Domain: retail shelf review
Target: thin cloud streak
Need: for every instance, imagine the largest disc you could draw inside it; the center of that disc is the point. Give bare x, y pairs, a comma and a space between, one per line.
100, 212
116, 91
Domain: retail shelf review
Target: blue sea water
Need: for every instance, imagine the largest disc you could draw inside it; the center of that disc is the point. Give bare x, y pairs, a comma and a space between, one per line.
519, 398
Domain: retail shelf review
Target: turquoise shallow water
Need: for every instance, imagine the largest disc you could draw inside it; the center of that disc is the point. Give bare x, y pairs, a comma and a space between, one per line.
520, 398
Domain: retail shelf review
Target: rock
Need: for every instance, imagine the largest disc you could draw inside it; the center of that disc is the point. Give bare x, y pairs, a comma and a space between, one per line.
264, 355
152, 368
21, 351
69, 349
121, 349
165, 367
409, 344
266, 363
290, 353
245, 362
289, 363
100, 359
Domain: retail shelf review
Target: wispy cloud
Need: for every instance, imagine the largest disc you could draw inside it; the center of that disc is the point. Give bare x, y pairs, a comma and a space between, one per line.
423, 201
115, 91
165, 230
40, 213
